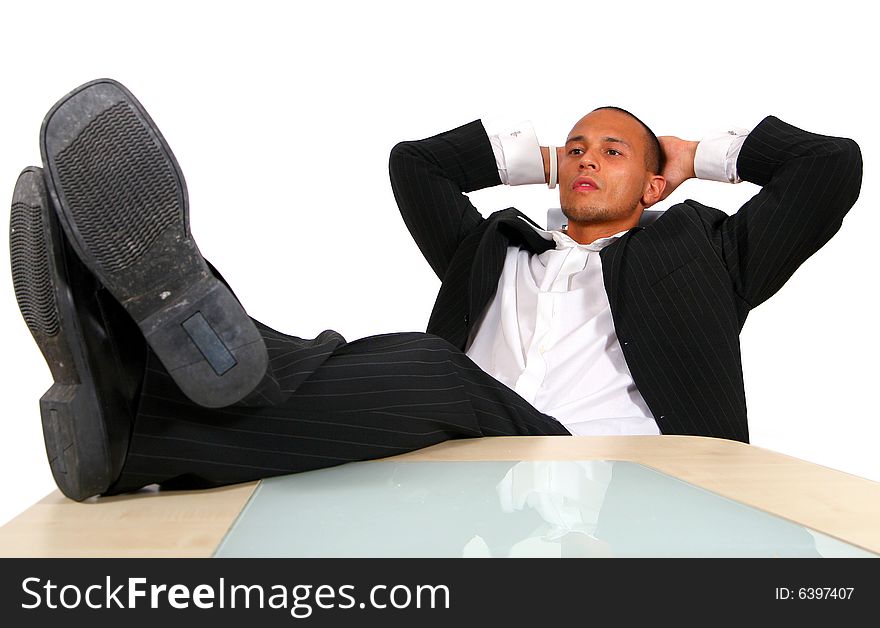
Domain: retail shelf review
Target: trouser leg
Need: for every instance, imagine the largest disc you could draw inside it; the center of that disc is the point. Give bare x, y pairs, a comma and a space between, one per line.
291, 359
375, 397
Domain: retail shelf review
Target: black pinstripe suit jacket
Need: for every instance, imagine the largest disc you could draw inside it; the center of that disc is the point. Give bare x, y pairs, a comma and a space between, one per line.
680, 289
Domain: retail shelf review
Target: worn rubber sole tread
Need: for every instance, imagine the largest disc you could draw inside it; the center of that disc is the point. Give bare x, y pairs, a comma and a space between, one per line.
74, 430
30, 270
123, 204
139, 186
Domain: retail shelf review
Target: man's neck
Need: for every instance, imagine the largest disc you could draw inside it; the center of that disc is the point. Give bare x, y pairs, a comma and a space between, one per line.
589, 232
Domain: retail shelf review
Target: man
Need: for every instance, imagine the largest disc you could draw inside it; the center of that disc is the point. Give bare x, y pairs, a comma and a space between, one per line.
160, 376
613, 327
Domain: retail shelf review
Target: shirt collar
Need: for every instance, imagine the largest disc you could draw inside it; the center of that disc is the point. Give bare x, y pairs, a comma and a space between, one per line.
563, 241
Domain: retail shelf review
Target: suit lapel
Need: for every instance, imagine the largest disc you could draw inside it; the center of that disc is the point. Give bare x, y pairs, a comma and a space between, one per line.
511, 227
507, 227
611, 257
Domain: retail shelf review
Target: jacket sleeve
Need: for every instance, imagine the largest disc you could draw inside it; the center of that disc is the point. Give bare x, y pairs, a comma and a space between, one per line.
430, 178
809, 182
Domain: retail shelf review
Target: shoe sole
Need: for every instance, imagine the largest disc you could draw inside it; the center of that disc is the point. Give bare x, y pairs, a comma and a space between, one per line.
74, 427
123, 204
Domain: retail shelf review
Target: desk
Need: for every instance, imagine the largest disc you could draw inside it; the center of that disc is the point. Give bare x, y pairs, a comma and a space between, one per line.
192, 523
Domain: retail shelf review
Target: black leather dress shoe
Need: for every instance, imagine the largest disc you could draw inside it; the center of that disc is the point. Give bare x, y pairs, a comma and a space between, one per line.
94, 350
122, 201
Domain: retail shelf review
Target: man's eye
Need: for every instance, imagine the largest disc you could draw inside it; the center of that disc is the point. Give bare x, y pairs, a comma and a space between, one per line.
612, 151
575, 151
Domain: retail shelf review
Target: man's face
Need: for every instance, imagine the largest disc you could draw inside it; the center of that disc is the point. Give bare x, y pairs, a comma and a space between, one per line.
602, 172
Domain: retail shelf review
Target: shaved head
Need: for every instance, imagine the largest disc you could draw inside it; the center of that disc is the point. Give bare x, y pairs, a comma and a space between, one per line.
608, 172
655, 160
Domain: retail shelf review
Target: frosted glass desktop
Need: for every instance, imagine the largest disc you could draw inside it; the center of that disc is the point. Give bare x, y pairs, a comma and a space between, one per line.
508, 509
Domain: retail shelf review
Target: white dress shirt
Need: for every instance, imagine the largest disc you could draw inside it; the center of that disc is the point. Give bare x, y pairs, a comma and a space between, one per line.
548, 332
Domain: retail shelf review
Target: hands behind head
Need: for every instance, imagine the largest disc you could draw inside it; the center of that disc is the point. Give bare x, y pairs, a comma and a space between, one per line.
679, 162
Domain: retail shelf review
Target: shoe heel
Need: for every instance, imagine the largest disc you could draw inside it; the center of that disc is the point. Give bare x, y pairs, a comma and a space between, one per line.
77, 477
208, 344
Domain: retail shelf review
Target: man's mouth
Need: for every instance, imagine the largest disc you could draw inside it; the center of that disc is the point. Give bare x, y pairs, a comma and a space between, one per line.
584, 184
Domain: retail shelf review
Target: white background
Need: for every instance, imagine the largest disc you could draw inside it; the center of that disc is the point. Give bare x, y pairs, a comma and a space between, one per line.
282, 116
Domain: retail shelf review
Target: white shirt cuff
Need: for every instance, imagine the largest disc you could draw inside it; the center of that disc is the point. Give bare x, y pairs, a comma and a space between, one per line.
518, 155
717, 154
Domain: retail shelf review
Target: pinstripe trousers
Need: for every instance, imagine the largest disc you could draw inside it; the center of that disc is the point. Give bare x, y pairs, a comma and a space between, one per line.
321, 405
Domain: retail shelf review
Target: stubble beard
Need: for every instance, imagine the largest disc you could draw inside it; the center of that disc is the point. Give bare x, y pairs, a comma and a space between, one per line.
595, 214
589, 214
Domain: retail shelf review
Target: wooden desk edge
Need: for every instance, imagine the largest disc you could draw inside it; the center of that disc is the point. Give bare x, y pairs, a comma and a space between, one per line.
192, 523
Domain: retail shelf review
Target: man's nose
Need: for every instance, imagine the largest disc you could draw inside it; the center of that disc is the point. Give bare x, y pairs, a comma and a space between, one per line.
588, 161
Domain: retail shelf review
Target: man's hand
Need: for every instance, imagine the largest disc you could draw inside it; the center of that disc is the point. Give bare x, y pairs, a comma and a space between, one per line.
679, 162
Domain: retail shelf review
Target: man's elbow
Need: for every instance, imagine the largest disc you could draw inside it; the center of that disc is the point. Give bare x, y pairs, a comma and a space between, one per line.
850, 151
401, 155
404, 151
848, 156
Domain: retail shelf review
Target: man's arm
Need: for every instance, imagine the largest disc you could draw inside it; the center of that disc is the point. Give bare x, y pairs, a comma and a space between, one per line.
430, 178
809, 182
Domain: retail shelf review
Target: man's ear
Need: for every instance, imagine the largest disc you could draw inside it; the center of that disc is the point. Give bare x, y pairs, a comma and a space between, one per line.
653, 190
